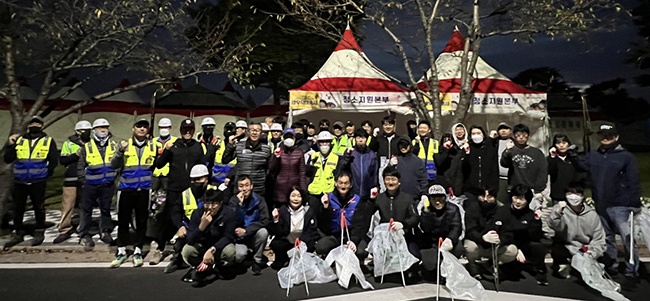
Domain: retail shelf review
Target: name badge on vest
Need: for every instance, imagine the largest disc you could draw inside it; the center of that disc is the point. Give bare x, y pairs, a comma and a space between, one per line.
149, 161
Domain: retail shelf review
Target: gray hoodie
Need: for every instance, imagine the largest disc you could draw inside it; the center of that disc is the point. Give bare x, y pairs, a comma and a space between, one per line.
577, 229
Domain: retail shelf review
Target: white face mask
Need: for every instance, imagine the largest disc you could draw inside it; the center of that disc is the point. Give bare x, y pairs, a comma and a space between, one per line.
324, 149
289, 142
477, 138
101, 135
164, 132
574, 199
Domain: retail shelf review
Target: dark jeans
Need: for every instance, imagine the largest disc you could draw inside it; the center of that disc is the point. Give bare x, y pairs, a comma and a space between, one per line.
96, 196
36, 192
560, 254
535, 253
132, 201
165, 228
328, 243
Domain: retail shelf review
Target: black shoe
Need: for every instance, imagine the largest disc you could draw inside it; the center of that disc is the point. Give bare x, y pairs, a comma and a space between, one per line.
277, 265
16, 238
541, 279
87, 242
188, 276
39, 237
61, 238
171, 267
106, 238
256, 268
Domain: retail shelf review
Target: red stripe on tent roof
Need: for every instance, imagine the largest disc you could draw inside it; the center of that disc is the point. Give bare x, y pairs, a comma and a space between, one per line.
351, 84
482, 85
348, 42
456, 42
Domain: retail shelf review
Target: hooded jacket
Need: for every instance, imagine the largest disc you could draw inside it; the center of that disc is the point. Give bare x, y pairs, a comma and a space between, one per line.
477, 220
362, 164
451, 167
414, 174
614, 177
480, 168
577, 229
182, 156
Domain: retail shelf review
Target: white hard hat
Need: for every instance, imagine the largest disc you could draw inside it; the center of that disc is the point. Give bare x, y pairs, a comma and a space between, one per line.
241, 124
208, 121
100, 122
165, 123
324, 136
83, 125
276, 127
199, 171
265, 127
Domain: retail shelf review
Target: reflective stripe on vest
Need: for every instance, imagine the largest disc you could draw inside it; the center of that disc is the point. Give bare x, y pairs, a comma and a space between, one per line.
324, 178
137, 170
162, 172
428, 159
219, 170
31, 164
189, 201
99, 169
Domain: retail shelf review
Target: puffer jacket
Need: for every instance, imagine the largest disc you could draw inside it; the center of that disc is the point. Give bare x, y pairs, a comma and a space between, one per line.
362, 164
251, 161
445, 223
577, 229
290, 170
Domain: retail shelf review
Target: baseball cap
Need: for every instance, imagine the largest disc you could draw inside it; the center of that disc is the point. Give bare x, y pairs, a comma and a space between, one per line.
349, 123
437, 190
503, 125
607, 130
289, 131
338, 124
142, 122
36, 118
188, 123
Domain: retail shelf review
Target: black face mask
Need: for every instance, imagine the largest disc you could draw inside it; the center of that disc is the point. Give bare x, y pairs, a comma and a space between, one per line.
85, 136
198, 189
34, 130
207, 131
487, 206
299, 137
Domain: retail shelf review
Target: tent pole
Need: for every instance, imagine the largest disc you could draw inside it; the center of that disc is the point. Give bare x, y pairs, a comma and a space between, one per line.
585, 123
290, 121
152, 112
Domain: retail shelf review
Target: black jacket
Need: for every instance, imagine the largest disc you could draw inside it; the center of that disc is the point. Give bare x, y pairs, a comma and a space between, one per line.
283, 226
52, 155
480, 168
386, 149
562, 173
414, 174
400, 207
443, 224
477, 220
182, 156
219, 233
70, 163
518, 227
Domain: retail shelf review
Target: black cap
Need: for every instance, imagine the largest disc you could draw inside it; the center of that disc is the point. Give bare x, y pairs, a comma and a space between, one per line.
607, 130
229, 125
349, 123
142, 122
188, 123
503, 125
36, 118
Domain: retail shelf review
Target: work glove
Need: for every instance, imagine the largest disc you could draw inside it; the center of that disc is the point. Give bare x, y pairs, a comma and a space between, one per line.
552, 152
494, 134
375, 132
447, 245
374, 192
278, 152
448, 144
393, 160
510, 144
396, 226
351, 246
492, 237
424, 200
276, 215
325, 200
520, 256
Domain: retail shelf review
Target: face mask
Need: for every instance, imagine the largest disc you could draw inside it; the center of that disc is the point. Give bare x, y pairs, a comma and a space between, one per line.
198, 189
324, 149
299, 136
208, 131
164, 132
289, 142
486, 205
477, 138
85, 136
574, 199
34, 130
101, 135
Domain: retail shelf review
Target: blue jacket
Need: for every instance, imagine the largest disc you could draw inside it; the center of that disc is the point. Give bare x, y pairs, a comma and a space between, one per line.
252, 215
363, 166
335, 208
614, 177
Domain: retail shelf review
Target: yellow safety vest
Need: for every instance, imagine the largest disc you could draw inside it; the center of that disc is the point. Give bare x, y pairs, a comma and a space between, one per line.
339, 145
189, 201
137, 169
162, 172
220, 170
324, 178
99, 169
433, 149
31, 164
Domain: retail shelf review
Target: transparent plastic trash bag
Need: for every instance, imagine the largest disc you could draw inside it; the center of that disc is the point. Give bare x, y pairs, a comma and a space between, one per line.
347, 265
459, 282
315, 269
642, 226
387, 248
594, 275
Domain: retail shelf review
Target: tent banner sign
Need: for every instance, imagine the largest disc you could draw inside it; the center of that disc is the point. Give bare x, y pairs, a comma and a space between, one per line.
493, 103
357, 101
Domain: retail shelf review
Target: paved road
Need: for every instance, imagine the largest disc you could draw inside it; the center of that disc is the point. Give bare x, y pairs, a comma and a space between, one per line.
23, 283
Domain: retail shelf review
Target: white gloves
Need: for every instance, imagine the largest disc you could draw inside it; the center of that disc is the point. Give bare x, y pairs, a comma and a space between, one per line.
447, 245
350, 150
424, 200
396, 226
276, 215
374, 192
375, 132
310, 152
325, 200
552, 152
351, 246
494, 134
448, 144
510, 144
393, 160
520, 257
492, 237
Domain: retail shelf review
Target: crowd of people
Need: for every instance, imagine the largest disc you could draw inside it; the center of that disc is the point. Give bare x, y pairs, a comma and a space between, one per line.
222, 199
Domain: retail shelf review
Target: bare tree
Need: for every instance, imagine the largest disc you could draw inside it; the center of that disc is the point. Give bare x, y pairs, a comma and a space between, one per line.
49, 41
412, 25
